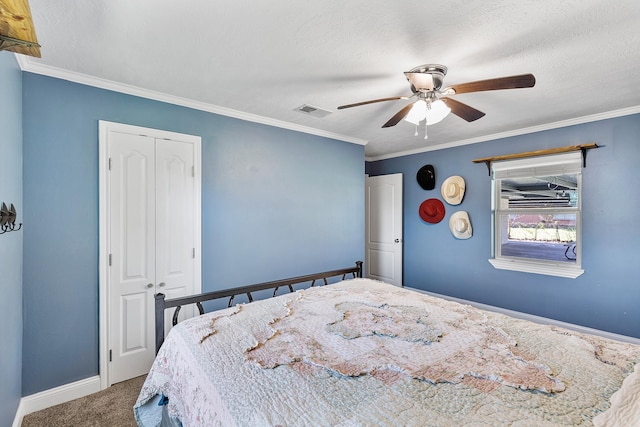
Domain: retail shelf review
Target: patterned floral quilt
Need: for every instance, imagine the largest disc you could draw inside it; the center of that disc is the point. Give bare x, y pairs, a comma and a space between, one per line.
362, 352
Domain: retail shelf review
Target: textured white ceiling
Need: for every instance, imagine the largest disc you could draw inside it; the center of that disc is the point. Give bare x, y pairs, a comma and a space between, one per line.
262, 59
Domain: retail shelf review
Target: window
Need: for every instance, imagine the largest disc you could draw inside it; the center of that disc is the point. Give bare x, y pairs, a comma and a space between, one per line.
536, 212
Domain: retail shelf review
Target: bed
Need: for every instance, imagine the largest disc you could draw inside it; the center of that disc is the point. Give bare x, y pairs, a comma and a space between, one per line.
360, 352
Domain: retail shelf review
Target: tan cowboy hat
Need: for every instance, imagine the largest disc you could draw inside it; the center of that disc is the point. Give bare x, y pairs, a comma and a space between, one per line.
460, 225
453, 190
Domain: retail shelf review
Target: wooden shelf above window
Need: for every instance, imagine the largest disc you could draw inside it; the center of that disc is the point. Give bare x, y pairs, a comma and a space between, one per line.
582, 147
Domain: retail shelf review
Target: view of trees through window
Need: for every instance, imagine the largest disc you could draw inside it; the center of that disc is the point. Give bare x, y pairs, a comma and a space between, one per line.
558, 228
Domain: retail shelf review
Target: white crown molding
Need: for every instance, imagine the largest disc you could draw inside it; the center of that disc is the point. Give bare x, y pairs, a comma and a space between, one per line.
523, 131
22, 60
30, 66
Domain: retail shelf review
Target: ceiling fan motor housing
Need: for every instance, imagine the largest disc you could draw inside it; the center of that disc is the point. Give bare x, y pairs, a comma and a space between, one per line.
426, 78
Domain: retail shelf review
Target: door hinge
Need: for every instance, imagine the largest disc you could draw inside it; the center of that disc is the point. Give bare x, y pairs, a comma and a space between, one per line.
110, 355
194, 253
109, 163
193, 171
109, 260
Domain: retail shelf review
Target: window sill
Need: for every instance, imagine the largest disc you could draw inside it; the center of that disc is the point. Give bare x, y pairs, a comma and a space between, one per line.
550, 269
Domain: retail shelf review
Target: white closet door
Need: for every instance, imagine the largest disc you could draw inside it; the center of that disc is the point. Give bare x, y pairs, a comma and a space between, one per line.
175, 228
152, 236
132, 278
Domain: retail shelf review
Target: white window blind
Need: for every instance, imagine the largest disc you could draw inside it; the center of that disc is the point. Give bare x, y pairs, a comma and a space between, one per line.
559, 164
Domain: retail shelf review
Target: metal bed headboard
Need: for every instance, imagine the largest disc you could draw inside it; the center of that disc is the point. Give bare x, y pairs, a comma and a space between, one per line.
161, 304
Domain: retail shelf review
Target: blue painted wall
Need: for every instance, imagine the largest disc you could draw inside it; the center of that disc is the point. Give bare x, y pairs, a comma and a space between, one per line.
10, 243
278, 203
275, 203
605, 297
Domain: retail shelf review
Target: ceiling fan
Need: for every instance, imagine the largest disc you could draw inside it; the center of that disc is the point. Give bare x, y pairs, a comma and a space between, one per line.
434, 103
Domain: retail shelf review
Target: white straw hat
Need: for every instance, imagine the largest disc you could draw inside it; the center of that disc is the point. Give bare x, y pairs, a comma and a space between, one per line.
453, 190
460, 225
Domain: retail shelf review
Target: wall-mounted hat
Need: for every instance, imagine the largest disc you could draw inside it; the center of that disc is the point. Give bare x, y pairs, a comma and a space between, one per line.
426, 177
460, 225
432, 211
453, 190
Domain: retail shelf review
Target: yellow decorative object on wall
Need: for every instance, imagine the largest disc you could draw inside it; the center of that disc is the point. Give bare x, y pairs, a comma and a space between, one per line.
17, 33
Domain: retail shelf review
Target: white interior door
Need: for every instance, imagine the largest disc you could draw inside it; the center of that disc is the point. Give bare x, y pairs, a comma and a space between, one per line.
152, 233
132, 275
383, 228
175, 228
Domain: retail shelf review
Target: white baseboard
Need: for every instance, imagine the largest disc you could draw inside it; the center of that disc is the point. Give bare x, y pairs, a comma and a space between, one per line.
536, 319
17, 420
55, 396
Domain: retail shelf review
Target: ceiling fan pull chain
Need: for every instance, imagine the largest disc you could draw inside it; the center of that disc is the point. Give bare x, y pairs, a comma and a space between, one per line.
416, 134
425, 129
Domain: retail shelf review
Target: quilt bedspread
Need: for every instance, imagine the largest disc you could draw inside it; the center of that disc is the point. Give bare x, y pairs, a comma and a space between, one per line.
362, 352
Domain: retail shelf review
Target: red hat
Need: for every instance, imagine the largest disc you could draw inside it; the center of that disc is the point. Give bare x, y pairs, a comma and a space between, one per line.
432, 210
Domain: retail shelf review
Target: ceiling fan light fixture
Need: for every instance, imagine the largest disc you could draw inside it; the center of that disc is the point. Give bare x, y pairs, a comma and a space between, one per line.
437, 111
426, 78
417, 113
433, 112
421, 82
434, 102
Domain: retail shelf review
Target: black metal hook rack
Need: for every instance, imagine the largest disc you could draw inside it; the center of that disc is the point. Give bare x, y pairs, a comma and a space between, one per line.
8, 219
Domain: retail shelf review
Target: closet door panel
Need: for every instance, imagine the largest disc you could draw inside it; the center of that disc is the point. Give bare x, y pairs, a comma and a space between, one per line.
133, 254
175, 219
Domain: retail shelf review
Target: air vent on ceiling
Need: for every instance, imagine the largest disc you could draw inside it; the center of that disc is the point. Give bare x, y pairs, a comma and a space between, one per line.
312, 111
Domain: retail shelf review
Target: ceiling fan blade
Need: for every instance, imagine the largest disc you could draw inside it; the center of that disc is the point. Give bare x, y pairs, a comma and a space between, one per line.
399, 116
464, 111
511, 82
357, 104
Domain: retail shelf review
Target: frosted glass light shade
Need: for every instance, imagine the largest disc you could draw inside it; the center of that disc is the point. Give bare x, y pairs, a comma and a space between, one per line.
417, 113
437, 111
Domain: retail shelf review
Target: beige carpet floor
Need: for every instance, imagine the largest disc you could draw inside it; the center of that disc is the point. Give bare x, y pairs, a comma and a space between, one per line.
112, 407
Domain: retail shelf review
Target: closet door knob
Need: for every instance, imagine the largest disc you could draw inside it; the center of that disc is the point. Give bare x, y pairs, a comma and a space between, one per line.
149, 285
161, 284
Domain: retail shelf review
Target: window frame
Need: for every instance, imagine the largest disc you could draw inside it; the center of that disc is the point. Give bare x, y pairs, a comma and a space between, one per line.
539, 166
